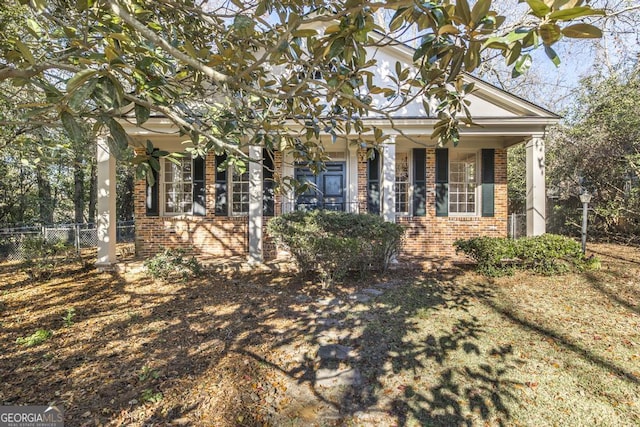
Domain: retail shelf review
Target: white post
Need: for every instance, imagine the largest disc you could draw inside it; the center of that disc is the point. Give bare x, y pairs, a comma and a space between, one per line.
536, 192
288, 171
353, 178
106, 218
389, 179
255, 204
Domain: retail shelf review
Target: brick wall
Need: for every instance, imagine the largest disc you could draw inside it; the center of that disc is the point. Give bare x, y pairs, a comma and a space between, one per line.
426, 238
432, 237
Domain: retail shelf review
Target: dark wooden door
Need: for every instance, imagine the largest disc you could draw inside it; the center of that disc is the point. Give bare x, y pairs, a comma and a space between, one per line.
329, 191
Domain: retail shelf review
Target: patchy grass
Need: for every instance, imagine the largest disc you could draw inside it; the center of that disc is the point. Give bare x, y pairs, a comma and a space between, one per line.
234, 348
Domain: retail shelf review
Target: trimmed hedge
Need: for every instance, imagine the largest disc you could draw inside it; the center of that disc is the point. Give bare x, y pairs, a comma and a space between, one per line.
547, 254
334, 243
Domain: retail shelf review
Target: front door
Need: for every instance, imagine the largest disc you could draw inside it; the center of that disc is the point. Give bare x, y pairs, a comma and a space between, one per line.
330, 184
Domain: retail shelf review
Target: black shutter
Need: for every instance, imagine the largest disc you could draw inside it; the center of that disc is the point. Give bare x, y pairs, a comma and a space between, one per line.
221, 187
199, 196
488, 182
153, 195
268, 185
442, 182
373, 184
419, 182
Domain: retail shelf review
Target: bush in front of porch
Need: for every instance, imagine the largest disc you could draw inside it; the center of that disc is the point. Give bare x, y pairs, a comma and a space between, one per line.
334, 243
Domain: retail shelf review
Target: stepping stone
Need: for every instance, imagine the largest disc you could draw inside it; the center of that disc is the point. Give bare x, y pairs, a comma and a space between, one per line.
329, 323
334, 352
331, 336
373, 292
360, 298
338, 377
331, 302
386, 285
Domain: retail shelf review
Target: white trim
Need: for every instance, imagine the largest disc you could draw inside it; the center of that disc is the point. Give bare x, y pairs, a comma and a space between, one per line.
255, 204
477, 190
162, 196
389, 179
106, 205
410, 174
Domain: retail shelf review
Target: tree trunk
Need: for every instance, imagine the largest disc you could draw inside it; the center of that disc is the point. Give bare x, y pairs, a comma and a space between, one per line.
126, 187
44, 195
78, 189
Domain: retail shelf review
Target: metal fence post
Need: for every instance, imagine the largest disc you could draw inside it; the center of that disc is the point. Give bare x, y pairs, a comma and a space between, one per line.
77, 238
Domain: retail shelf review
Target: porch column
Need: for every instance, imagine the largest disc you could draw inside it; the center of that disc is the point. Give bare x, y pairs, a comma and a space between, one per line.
536, 193
389, 179
288, 171
353, 178
255, 204
106, 227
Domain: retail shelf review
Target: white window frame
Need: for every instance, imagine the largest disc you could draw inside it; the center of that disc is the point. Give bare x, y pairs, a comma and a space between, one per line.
409, 183
163, 186
231, 182
476, 190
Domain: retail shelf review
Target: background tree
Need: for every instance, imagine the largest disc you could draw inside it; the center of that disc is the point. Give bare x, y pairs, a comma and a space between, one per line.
90, 59
599, 149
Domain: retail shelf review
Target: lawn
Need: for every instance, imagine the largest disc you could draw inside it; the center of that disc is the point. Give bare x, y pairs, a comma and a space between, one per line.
264, 347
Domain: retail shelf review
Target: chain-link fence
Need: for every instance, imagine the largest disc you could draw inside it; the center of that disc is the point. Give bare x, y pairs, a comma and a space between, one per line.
517, 225
79, 235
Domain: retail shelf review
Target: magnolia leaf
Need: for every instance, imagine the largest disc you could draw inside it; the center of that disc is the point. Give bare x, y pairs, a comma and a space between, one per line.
522, 65
35, 28
80, 77
80, 96
553, 56
26, 52
118, 134
73, 128
538, 8
575, 12
142, 114
305, 33
480, 10
462, 11
550, 33
514, 53
448, 29
582, 31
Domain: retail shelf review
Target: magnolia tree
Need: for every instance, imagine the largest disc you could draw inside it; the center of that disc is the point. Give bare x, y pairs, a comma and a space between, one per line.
267, 72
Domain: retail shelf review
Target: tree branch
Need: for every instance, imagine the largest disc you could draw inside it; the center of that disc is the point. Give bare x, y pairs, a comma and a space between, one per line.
152, 37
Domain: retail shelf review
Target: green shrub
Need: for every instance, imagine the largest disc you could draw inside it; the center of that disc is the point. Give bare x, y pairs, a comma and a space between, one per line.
37, 338
173, 263
334, 243
42, 256
547, 254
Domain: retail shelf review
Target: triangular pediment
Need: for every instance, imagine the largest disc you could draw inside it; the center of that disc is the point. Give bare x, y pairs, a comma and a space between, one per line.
487, 101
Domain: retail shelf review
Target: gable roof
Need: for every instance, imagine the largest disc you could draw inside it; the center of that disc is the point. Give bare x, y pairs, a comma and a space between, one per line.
487, 100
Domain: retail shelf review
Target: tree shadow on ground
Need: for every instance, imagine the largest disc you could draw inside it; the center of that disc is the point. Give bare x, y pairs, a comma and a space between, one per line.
242, 348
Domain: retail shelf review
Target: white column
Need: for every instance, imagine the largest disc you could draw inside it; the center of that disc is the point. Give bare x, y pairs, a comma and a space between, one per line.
352, 196
536, 192
288, 172
255, 204
106, 227
389, 179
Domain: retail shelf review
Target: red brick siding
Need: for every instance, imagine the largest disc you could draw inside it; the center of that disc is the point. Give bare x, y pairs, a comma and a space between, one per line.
432, 237
427, 237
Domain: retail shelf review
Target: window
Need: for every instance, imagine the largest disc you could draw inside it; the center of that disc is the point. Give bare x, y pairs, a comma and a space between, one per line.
177, 184
463, 182
402, 184
232, 188
240, 193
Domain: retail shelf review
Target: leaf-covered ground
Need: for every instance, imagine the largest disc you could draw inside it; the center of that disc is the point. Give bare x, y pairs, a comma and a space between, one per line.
445, 347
